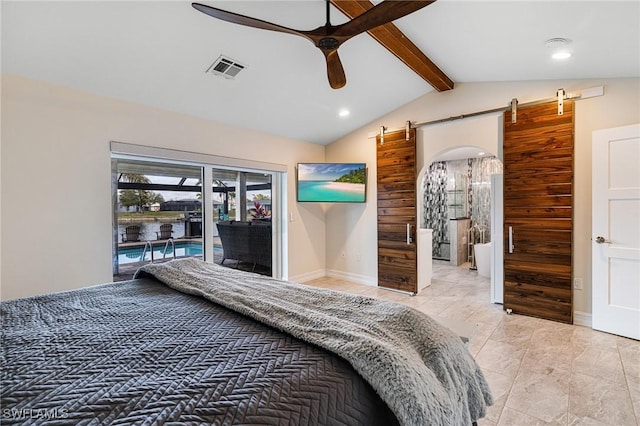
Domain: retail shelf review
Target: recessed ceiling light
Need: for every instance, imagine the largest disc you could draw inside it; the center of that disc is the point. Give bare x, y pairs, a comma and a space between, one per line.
556, 42
343, 113
559, 46
481, 153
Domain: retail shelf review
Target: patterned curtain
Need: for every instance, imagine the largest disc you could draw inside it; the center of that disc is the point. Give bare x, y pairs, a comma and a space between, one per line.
481, 170
435, 207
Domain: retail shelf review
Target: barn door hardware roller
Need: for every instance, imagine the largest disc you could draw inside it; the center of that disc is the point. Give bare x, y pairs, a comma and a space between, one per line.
382, 130
560, 94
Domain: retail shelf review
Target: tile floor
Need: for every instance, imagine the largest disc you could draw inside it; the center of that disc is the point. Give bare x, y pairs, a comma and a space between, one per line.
540, 372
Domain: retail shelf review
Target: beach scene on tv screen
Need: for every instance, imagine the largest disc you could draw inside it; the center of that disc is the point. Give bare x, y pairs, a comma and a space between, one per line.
332, 182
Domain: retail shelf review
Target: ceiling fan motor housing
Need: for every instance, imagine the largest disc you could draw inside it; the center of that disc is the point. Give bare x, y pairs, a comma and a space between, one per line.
328, 43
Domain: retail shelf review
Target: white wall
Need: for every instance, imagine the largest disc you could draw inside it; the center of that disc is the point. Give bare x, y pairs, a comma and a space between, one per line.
351, 229
481, 132
56, 182
352, 244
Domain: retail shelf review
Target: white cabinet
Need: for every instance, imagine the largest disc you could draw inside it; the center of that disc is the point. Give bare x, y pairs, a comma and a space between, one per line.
425, 262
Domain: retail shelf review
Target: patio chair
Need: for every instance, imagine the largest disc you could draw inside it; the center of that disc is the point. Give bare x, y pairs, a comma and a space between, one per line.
246, 242
131, 234
166, 229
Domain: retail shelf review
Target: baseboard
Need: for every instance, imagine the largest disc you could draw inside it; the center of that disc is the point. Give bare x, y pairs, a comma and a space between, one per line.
356, 278
320, 273
582, 318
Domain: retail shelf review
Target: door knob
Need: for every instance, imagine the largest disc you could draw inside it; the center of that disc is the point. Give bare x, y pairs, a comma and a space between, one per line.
601, 240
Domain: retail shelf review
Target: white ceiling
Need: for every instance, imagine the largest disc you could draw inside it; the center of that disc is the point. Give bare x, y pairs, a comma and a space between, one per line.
156, 53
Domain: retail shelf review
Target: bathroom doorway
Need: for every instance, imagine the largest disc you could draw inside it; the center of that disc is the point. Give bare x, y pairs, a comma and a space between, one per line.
456, 206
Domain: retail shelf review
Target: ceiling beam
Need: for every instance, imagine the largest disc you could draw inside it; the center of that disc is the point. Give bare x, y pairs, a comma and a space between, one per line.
397, 43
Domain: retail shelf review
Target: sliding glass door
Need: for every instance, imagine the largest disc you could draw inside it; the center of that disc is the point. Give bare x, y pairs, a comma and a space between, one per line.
165, 209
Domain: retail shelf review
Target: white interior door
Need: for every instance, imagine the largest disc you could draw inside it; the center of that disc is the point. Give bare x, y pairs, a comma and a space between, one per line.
616, 230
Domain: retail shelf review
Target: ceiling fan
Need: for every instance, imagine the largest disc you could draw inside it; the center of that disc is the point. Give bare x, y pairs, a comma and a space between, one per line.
328, 37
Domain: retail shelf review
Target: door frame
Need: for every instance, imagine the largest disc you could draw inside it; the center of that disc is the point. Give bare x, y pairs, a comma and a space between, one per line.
425, 266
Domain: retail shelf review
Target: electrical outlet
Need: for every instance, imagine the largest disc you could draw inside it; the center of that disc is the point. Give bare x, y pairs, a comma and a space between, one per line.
577, 283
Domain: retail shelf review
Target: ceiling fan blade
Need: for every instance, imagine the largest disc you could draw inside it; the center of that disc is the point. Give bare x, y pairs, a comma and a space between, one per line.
328, 38
382, 13
335, 72
247, 21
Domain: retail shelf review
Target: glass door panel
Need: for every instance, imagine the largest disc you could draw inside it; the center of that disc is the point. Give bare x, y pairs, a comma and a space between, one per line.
158, 213
242, 207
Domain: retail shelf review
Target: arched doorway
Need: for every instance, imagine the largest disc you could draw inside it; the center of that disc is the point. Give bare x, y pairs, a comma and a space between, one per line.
455, 203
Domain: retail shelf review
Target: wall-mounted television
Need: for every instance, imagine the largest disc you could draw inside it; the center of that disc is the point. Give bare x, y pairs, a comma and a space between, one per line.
332, 182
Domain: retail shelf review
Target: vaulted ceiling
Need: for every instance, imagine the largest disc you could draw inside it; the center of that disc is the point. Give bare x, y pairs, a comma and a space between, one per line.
157, 52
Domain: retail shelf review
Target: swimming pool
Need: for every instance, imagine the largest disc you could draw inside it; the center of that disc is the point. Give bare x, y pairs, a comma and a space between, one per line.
134, 254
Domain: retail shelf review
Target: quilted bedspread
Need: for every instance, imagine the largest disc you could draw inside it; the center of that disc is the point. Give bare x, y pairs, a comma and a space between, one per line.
142, 353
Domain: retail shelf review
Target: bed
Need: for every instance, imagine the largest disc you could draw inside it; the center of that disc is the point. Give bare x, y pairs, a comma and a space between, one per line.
188, 342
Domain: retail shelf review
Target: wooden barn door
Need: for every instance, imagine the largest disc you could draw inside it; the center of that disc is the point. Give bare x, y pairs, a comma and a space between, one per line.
396, 170
538, 211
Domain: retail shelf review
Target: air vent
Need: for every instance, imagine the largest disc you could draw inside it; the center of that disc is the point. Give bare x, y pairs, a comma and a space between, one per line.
226, 67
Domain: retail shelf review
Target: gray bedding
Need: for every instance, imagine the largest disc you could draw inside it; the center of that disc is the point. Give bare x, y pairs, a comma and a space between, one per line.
141, 352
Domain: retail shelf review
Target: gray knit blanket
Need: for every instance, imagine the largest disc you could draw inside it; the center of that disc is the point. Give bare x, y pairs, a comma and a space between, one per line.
421, 369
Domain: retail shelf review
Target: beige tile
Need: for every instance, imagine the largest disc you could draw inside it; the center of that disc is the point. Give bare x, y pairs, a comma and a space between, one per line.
554, 335
624, 342
584, 336
598, 361
544, 359
488, 313
633, 383
597, 399
479, 339
486, 422
544, 396
500, 357
511, 417
584, 421
437, 304
514, 333
630, 356
526, 321
500, 386
462, 311
448, 288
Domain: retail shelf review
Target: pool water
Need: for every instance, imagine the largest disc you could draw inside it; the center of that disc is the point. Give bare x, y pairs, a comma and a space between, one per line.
134, 254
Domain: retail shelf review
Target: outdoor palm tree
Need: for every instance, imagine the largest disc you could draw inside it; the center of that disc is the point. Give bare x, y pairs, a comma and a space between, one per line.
137, 197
